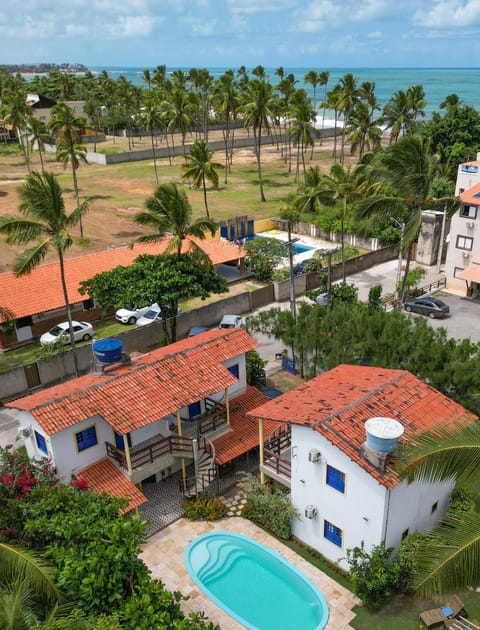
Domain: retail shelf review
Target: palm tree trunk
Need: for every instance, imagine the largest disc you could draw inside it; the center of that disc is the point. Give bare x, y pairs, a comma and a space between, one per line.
205, 194
77, 197
258, 140
154, 155
69, 312
342, 236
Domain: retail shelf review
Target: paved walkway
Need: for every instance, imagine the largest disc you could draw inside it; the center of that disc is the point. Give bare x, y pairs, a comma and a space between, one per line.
163, 554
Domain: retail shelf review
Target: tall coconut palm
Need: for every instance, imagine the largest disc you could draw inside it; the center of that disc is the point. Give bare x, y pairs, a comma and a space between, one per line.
45, 222
302, 115
450, 101
258, 109
178, 111
417, 101
397, 115
323, 78
14, 111
365, 133
151, 119
200, 168
349, 95
313, 78
169, 211
287, 90
307, 198
451, 559
408, 168
27, 588
68, 129
344, 187
334, 102
225, 99
37, 136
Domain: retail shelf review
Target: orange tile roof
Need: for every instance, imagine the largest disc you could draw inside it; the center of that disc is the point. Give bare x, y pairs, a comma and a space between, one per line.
153, 386
471, 195
338, 403
28, 294
104, 476
244, 429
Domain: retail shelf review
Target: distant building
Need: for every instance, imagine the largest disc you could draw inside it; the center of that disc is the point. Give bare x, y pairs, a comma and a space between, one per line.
462, 266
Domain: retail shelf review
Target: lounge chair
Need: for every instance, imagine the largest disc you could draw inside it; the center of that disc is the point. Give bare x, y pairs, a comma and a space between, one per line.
435, 616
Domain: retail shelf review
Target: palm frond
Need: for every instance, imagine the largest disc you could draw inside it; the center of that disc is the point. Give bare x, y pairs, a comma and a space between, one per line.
30, 258
450, 559
20, 230
449, 452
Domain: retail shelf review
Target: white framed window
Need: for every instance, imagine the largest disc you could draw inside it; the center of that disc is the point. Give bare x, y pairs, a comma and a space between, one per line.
464, 242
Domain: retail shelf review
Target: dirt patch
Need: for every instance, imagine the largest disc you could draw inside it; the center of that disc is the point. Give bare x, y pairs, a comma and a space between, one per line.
284, 381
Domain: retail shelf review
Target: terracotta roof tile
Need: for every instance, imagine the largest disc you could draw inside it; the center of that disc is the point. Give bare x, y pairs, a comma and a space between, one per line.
244, 429
154, 385
471, 195
21, 294
104, 476
338, 403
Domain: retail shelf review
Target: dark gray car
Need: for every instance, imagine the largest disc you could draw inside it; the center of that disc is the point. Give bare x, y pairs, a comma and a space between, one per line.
430, 306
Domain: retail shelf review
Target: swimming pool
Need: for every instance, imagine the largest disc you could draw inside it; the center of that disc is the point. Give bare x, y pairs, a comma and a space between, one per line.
297, 248
254, 585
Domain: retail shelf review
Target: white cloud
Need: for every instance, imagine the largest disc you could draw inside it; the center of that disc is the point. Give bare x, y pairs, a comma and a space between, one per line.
449, 13
375, 35
320, 15
260, 6
199, 27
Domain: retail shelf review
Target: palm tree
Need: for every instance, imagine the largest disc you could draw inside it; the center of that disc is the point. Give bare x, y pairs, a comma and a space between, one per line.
344, 187
417, 101
178, 112
323, 78
225, 99
397, 115
451, 560
69, 128
199, 168
169, 211
450, 101
301, 129
409, 169
28, 591
37, 136
307, 198
14, 111
313, 78
151, 120
365, 134
259, 109
334, 102
44, 221
349, 95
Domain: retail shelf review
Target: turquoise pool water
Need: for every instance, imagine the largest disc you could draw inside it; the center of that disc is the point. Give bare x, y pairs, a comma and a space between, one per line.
254, 585
297, 248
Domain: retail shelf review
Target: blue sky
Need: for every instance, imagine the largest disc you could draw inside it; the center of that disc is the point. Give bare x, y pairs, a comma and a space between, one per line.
216, 33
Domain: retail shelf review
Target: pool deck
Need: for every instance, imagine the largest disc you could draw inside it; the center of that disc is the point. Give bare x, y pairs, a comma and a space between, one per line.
163, 554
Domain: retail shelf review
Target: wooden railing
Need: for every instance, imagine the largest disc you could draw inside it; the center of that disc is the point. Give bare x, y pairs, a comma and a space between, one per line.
276, 464
280, 440
149, 451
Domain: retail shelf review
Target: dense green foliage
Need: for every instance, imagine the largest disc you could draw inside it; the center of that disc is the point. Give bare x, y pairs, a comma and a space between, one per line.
268, 507
263, 255
204, 508
93, 548
255, 367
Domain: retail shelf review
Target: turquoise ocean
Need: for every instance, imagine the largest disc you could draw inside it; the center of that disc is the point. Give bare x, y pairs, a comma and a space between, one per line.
437, 82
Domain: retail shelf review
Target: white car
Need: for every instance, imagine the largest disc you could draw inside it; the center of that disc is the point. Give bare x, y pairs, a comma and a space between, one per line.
153, 313
231, 321
131, 315
82, 331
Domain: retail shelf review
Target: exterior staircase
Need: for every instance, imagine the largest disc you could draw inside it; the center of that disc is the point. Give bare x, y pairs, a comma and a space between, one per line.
206, 470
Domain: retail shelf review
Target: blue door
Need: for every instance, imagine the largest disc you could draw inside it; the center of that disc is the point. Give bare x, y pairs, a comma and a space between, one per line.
194, 409
224, 231
250, 228
119, 441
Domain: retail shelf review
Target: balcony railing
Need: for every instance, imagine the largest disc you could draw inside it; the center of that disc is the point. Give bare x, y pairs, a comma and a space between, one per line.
214, 418
149, 451
277, 452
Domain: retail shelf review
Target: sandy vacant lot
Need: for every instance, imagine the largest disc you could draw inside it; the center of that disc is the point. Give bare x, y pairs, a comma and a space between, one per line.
110, 221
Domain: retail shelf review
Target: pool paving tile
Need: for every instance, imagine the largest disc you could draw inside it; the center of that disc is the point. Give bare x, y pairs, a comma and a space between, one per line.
163, 554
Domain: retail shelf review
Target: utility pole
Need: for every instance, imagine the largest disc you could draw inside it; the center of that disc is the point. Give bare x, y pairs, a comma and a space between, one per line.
401, 225
442, 237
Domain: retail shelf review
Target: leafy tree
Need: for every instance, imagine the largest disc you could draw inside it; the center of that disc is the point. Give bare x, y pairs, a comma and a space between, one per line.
44, 221
199, 168
375, 298
14, 111
37, 135
163, 279
169, 211
372, 574
449, 561
69, 128
263, 255
255, 367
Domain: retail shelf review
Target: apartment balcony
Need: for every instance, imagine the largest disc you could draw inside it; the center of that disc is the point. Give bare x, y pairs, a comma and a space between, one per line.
277, 456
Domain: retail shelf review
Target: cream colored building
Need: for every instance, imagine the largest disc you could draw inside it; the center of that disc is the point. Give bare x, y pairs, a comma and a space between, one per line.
462, 267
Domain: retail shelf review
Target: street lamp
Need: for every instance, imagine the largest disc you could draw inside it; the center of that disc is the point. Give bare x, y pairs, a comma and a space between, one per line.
401, 225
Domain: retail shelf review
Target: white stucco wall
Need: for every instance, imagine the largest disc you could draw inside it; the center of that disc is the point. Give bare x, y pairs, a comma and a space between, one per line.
359, 513
411, 508
366, 512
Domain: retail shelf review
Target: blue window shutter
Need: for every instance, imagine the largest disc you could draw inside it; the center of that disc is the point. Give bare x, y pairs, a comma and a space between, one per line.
86, 438
41, 443
235, 370
332, 533
335, 479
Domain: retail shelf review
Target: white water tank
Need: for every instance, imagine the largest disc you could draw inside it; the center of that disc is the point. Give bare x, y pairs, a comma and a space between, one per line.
383, 434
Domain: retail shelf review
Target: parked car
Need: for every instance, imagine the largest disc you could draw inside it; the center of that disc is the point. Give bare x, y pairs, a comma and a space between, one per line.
82, 331
131, 315
196, 330
427, 306
153, 313
231, 321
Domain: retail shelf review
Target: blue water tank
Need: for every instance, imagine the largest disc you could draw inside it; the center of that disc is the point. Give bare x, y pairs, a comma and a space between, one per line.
383, 434
108, 350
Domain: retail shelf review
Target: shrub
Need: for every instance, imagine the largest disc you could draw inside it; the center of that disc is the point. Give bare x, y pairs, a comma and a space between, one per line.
204, 508
255, 367
268, 507
461, 501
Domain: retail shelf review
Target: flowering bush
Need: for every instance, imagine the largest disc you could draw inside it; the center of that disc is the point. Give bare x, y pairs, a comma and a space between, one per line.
204, 508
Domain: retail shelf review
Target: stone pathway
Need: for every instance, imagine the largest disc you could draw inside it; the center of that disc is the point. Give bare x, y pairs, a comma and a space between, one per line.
235, 503
163, 554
